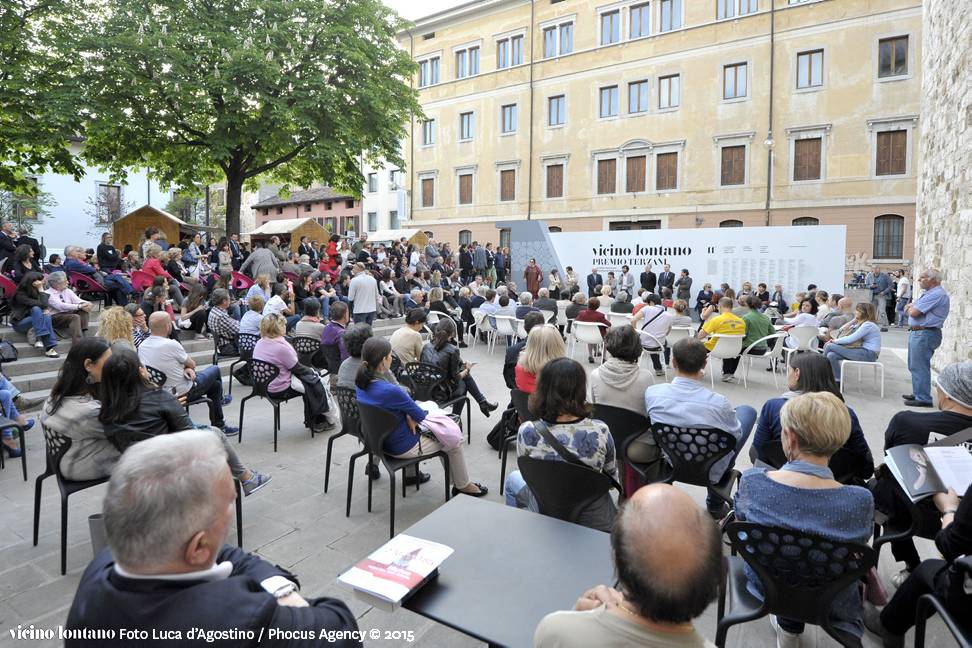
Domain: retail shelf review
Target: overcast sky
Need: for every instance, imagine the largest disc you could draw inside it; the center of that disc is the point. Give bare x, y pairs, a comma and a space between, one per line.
412, 9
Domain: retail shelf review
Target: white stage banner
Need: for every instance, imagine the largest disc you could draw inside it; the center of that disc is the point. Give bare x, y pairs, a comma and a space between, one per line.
791, 256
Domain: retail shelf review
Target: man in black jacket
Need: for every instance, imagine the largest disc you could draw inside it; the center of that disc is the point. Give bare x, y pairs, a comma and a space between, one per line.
648, 279
666, 279
593, 281
8, 242
167, 572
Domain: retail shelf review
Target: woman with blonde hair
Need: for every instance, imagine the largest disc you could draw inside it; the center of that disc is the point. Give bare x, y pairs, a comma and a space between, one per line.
544, 344
261, 287
116, 326
858, 339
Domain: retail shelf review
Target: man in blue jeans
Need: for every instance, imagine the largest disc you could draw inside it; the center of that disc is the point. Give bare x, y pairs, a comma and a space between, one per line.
926, 316
687, 402
168, 356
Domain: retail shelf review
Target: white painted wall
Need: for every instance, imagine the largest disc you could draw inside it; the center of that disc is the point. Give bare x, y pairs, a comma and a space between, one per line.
385, 200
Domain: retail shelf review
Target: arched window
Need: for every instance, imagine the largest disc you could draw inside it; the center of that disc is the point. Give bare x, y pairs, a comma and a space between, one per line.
806, 220
554, 229
465, 237
731, 223
888, 237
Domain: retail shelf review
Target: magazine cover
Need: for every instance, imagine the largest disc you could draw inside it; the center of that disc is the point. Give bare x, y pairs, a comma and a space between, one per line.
922, 472
397, 568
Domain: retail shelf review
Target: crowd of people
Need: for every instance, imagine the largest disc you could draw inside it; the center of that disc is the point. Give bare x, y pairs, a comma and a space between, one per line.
121, 397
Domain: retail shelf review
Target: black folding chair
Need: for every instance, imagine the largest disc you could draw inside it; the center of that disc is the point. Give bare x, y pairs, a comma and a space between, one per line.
521, 402
625, 426
8, 424
217, 356
800, 575
563, 490
692, 451
159, 379
263, 373
377, 425
428, 382
928, 604
57, 446
307, 349
245, 342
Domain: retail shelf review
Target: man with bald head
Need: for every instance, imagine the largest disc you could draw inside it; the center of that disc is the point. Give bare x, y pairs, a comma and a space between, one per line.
667, 555
168, 356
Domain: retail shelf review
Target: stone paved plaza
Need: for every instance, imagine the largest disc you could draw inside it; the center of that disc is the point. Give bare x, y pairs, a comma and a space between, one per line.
293, 523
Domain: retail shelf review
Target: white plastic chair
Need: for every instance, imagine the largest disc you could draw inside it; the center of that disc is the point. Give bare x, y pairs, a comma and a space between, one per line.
806, 338
860, 365
619, 319
677, 333
521, 331
658, 350
547, 316
505, 325
588, 333
726, 346
773, 356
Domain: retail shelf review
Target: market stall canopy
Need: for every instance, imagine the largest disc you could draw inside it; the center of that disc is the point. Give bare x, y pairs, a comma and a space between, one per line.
414, 236
291, 229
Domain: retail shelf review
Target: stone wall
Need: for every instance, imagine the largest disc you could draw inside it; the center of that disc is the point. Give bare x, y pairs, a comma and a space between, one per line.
944, 219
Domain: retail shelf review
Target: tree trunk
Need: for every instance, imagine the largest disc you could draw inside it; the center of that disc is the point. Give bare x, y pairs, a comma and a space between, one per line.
234, 196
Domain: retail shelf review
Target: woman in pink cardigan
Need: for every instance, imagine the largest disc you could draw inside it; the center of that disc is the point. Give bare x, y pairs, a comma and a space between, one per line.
69, 313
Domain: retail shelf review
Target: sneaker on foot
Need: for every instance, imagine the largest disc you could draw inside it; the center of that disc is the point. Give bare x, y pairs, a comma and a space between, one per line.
784, 638
227, 399
38, 344
51, 353
255, 483
229, 430
898, 579
728, 378
659, 372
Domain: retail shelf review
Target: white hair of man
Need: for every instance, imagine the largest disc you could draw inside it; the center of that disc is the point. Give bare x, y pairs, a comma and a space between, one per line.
502, 291
57, 279
543, 293
933, 274
160, 495
526, 298
70, 251
415, 293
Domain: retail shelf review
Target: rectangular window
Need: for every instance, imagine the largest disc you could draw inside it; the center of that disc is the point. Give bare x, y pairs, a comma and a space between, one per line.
308, 207
372, 183
508, 119
733, 165
893, 56
638, 97
372, 221
670, 15
610, 27
806, 159
428, 132
516, 50
725, 9
502, 53
668, 91
734, 81
393, 219
429, 72
567, 38
640, 20
465, 189
467, 62
892, 149
606, 176
428, 192
349, 204
465, 126
328, 206
555, 181
109, 203
507, 185
609, 101
556, 110
395, 178
748, 7
635, 173
810, 69
549, 42
666, 171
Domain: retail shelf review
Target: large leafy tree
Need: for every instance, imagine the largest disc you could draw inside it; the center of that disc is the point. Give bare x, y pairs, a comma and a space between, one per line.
38, 94
293, 90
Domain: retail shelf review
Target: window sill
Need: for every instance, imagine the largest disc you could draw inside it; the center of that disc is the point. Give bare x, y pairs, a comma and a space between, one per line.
893, 176
734, 100
466, 140
609, 118
640, 113
890, 79
741, 185
556, 127
807, 90
510, 134
671, 109
427, 146
815, 181
667, 191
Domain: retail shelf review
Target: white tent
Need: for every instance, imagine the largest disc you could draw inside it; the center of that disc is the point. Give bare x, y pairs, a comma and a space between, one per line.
413, 236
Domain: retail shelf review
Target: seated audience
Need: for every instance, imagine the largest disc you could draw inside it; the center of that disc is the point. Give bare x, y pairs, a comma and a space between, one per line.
438, 304
28, 313
654, 323
442, 352
593, 314
661, 585
577, 304
526, 306
725, 323
513, 352
543, 344
167, 511
406, 440
623, 303
69, 313
354, 338
681, 318
282, 303
221, 324
310, 324
859, 339
195, 311
331, 343
544, 302
117, 326
667, 403
838, 317
758, 326
621, 382
153, 267
809, 373
260, 287
72, 409
117, 286
803, 495
23, 262
560, 401
607, 291
274, 348
250, 320
161, 352
406, 341
805, 316
54, 264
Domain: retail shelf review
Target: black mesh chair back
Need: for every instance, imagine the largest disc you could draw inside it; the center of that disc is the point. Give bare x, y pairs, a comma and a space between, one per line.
347, 400
306, 347
156, 376
800, 574
396, 366
246, 342
263, 373
563, 490
428, 381
692, 451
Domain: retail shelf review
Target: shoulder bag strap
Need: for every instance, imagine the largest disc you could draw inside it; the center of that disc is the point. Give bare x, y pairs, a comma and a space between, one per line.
565, 454
657, 315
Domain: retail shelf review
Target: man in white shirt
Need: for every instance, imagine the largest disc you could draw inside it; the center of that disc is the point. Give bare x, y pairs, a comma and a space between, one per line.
168, 356
653, 323
363, 295
687, 402
282, 303
662, 586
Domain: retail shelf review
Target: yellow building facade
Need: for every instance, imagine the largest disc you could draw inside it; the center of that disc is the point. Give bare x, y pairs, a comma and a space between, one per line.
669, 113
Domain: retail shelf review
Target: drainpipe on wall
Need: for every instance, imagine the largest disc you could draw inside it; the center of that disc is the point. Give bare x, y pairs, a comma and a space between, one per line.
411, 137
530, 148
769, 134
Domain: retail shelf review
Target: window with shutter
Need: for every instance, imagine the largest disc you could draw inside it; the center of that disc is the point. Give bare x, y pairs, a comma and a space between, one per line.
888, 237
428, 190
733, 165
666, 171
806, 159
606, 173
465, 189
635, 174
507, 185
892, 149
555, 181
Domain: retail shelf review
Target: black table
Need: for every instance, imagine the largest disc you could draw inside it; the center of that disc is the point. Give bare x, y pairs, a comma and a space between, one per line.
510, 569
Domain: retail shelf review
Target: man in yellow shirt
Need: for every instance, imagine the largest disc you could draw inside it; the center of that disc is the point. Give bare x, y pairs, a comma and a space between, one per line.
725, 323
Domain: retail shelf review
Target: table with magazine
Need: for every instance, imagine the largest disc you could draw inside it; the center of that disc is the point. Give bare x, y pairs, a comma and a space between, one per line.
500, 570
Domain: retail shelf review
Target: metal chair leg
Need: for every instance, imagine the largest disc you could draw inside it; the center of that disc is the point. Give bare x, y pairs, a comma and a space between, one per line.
391, 512
38, 484
239, 515
64, 524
